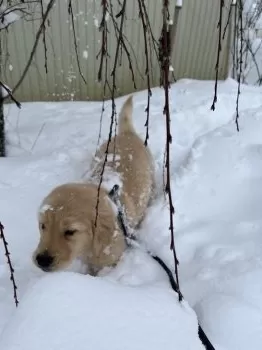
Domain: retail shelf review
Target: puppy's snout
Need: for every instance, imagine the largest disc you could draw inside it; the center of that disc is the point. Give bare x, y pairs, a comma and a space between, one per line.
44, 260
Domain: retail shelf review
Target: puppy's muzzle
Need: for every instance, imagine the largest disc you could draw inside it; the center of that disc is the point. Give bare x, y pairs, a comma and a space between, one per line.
44, 261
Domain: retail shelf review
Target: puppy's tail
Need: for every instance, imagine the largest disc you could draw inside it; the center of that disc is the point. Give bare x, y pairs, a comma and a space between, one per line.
125, 122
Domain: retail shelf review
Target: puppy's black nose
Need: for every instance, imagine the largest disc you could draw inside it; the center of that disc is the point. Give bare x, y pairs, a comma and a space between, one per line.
44, 260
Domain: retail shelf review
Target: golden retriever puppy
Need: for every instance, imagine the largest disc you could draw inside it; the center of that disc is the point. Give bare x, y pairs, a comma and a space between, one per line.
75, 224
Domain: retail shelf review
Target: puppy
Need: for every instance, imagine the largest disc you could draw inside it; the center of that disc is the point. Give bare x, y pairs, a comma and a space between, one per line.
75, 224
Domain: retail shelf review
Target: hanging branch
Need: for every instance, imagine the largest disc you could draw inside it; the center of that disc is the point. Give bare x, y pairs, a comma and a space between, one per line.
9, 262
228, 19
152, 40
44, 36
250, 60
37, 38
71, 14
219, 26
253, 54
104, 55
113, 91
142, 10
239, 75
107, 10
235, 43
7, 9
121, 38
165, 64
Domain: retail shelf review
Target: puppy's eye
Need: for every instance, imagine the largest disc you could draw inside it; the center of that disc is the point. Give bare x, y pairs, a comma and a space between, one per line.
42, 226
69, 233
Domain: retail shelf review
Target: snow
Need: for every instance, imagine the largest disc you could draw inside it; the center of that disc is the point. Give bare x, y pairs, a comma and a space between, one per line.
85, 54
7, 17
45, 208
96, 22
216, 182
91, 320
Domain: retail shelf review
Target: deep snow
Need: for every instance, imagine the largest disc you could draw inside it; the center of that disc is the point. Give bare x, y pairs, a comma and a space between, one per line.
216, 182
82, 312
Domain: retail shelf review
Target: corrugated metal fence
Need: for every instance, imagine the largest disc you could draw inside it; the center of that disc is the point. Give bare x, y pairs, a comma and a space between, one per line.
194, 52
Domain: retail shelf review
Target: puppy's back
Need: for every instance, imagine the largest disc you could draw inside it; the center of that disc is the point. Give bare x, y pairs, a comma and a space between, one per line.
133, 162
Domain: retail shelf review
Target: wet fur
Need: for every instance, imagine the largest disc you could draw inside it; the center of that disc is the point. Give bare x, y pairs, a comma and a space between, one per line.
73, 206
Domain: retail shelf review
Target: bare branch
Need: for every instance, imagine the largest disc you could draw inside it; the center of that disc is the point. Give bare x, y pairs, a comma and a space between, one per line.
38, 35
152, 40
165, 64
142, 9
113, 91
9, 262
44, 36
121, 39
253, 54
228, 19
235, 42
103, 58
103, 28
240, 18
218, 52
71, 13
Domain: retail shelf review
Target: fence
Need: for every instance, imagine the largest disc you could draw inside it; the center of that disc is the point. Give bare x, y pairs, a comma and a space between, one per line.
193, 56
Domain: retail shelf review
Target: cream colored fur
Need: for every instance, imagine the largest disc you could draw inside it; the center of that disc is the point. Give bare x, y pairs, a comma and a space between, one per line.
73, 206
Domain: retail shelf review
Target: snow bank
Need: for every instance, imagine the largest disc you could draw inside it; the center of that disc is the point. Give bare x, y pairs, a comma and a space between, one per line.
70, 311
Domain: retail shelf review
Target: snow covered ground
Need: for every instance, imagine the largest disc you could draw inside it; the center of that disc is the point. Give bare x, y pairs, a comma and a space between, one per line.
217, 188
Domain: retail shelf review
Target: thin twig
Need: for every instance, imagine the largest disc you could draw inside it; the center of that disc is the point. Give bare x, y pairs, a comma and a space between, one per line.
38, 135
38, 35
235, 43
165, 55
228, 20
240, 17
218, 52
103, 58
9, 262
71, 13
152, 39
113, 74
142, 8
44, 36
103, 28
253, 54
121, 39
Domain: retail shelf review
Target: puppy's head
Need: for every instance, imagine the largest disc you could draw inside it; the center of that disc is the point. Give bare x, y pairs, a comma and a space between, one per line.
66, 225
